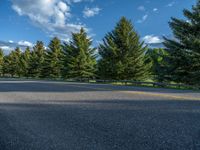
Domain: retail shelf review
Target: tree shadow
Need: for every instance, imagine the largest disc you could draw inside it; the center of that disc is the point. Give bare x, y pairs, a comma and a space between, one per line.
100, 124
52, 86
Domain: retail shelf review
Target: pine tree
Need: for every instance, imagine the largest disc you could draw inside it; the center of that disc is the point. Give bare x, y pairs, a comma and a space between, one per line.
80, 58
122, 54
156, 58
11, 63
7, 68
183, 61
54, 59
18, 62
37, 60
25, 60
1, 61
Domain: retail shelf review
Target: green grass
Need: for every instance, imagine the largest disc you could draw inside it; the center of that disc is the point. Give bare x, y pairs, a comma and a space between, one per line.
145, 85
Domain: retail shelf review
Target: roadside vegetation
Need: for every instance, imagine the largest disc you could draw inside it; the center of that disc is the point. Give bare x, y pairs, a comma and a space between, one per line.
120, 56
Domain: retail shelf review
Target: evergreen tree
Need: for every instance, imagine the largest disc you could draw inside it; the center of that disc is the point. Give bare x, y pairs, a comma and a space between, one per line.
122, 54
156, 58
17, 59
18, 62
54, 59
183, 61
1, 61
13, 63
7, 68
80, 58
25, 61
37, 60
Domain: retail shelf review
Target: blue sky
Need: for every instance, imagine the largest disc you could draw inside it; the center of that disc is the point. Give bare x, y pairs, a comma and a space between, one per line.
23, 22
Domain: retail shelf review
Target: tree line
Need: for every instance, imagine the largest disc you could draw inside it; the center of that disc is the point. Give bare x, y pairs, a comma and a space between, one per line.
121, 55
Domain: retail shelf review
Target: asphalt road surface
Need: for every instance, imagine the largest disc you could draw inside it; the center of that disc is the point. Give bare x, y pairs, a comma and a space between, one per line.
42, 115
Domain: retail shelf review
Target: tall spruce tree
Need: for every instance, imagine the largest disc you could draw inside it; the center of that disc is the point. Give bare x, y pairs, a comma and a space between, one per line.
12, 63
17, 60
183, 61
53, 60
80, 57
25, 60
1, 61
37, 60
156, 57
122, 54
7, 65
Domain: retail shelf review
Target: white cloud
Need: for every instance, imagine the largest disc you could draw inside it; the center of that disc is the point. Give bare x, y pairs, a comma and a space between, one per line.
155, 9
90, 12
5, 48
144, 18
171, 4
25, 43
77, 1
151, 39
8, 46
141, 8
63, 7
74, 1
53, 16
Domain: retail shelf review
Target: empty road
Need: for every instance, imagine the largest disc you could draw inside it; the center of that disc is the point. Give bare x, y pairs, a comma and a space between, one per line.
44, 115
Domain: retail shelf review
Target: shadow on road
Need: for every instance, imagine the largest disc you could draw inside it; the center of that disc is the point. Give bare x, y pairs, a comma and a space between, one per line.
48, 86
100, 125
